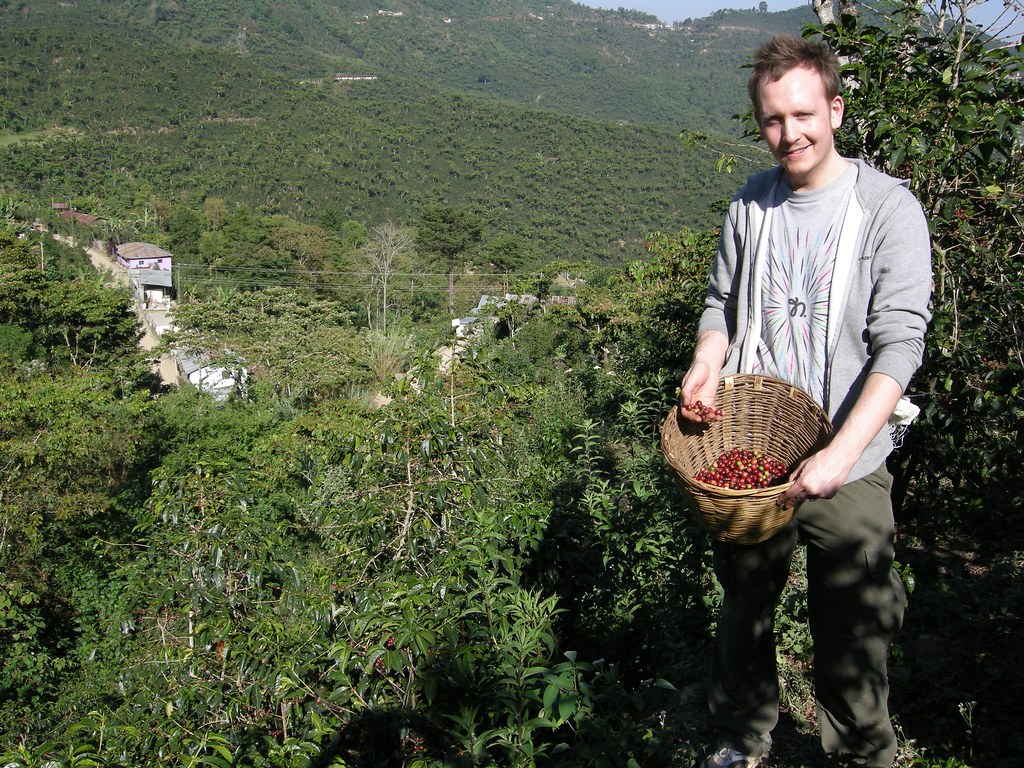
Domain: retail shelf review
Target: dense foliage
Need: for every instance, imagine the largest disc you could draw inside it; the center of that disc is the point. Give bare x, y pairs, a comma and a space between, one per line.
127, 140
389, 548
960, 140
403, 563
556, 54
945, 108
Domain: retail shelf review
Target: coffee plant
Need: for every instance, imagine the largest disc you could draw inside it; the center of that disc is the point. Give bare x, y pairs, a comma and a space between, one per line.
945, 109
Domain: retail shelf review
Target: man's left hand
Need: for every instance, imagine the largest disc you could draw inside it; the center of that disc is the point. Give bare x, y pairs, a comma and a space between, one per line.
818, 477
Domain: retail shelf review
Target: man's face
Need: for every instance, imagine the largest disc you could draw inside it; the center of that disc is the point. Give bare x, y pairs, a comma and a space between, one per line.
797, 120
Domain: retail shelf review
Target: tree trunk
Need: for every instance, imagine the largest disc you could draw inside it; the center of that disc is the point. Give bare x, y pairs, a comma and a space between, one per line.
825, 10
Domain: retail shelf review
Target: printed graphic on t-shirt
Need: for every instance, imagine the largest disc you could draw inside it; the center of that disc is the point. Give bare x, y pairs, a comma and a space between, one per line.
795, 307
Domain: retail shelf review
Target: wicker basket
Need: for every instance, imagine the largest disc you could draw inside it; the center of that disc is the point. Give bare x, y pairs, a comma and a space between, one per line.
760, 414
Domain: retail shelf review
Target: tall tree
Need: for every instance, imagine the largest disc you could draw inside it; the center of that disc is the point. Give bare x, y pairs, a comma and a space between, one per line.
505, 253
445, 233
185, 227
216, 211
388, 244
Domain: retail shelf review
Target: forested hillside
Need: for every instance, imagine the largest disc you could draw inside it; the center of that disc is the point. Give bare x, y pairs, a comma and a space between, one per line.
559, 55
558, 125
211, 126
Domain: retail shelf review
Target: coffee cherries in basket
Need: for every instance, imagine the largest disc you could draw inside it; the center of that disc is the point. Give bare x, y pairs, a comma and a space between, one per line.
741, 469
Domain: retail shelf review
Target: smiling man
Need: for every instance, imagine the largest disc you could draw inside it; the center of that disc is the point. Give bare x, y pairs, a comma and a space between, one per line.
822, 279
797, 114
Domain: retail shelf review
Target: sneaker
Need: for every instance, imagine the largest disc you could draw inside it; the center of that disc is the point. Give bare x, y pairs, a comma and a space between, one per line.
730, 758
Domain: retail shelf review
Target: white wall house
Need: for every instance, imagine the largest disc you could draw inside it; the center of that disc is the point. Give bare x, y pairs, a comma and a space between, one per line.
217, 381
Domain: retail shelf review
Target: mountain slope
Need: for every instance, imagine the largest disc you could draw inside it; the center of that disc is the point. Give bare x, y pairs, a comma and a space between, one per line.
144, 120
552, 121
558, 55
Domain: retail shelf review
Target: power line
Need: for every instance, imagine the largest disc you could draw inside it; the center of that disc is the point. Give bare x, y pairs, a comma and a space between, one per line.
398, 287
411, 288
334, 273
402, 282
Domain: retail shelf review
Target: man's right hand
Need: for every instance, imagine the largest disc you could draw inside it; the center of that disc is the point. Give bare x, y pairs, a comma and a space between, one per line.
701, 382
697, 393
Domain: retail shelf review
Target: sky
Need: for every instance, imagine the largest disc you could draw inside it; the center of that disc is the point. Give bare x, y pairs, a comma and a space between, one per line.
677, 10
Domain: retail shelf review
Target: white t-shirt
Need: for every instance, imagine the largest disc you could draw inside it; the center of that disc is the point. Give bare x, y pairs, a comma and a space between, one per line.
797, 280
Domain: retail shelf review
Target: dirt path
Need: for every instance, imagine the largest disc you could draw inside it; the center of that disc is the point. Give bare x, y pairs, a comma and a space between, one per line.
150, 319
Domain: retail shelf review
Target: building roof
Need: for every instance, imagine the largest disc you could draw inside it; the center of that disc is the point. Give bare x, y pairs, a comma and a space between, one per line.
129, 251
85, 218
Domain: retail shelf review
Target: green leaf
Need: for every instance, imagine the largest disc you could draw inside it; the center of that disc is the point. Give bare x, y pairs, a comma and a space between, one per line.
1018, 134
566, 706
550, 696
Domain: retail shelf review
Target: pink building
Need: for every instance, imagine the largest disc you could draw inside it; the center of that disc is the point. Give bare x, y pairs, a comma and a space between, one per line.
134, 256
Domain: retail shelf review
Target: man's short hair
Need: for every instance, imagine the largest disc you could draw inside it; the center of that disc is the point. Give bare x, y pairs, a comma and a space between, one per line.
785, 52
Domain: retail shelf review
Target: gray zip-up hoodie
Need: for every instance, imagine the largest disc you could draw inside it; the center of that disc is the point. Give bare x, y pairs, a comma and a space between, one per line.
878, 305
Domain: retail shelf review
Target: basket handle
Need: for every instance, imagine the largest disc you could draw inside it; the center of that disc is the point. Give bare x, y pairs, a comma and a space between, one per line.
729, 382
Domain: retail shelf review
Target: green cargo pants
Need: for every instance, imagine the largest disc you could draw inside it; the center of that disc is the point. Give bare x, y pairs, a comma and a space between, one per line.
855, 606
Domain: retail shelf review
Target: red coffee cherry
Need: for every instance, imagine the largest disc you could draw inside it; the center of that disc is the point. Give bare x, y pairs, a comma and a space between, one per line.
742, 469
702, 411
